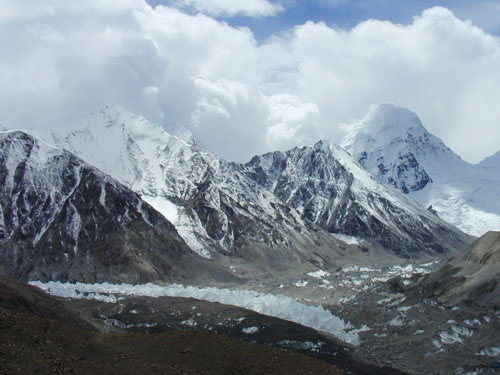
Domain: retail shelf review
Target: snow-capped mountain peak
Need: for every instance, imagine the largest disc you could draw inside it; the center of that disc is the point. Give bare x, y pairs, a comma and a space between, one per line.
120, 143
393, 145
383, 125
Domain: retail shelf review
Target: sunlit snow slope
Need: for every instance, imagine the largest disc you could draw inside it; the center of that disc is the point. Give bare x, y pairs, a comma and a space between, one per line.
393, 145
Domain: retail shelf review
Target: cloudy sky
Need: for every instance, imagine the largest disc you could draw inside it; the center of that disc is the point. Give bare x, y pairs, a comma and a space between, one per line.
256, 75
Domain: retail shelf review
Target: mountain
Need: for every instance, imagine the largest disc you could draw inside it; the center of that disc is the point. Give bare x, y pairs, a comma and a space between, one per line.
473, 276
393, 145
217, 210
62, 219
223, 208
329, 188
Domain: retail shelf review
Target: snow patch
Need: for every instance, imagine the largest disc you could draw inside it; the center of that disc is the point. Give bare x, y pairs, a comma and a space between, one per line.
473, 322
397, 321
250, 330
350, 240
490, 351
455, 334
301, 283
404, 308
318, 274
189, 322
184, 226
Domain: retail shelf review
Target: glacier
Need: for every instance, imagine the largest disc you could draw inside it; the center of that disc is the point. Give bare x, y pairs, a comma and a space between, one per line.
277, 306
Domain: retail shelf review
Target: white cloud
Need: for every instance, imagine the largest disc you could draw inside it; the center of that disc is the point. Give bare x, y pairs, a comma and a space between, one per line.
291, 122
443, 68
242, 121
231, 8
62, 60
35, 9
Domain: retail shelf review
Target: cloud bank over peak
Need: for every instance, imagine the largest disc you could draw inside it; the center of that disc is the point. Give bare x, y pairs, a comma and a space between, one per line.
62, 60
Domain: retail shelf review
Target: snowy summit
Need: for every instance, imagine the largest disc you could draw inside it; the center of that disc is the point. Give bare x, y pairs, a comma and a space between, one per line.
393, 145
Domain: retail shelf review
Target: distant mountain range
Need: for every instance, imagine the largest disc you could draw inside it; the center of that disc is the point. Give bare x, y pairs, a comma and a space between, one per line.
216, 209
393, 145
114, 185
224, 206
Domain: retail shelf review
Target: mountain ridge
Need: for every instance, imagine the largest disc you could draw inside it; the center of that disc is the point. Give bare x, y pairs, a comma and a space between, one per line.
328, 187
219, 209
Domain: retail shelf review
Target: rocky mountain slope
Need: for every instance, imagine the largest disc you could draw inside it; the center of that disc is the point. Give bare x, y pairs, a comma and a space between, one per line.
329, 188
393, 145
222, 208
472, 276
416, 331
62, 219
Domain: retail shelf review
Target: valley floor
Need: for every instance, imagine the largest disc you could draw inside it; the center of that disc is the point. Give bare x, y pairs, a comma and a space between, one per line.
34, 345
357, 319
371, 307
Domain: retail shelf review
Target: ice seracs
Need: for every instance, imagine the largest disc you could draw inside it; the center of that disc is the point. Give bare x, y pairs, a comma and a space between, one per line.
394, 146
282, 307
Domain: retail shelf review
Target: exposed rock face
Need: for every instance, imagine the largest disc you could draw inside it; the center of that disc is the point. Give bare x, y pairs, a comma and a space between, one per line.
329, 188
472, 276
61, 219
394, 146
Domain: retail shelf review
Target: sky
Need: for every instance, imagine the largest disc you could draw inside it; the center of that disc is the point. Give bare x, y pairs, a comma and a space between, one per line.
248, 77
